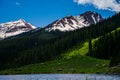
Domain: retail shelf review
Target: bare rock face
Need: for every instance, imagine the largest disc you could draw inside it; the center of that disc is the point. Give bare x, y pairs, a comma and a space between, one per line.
14, 28
71, 23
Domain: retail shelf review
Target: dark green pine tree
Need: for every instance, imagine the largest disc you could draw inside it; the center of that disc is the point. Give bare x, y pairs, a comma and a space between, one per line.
90, 48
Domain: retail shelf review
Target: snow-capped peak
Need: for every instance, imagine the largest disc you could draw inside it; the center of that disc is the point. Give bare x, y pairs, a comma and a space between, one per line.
70, 23
14, 28
21, 20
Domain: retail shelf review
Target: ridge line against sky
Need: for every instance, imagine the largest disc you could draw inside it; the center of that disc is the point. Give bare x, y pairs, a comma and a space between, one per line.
43, 12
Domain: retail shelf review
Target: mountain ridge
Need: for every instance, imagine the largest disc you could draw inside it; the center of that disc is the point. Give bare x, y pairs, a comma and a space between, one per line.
14, 28
70, 23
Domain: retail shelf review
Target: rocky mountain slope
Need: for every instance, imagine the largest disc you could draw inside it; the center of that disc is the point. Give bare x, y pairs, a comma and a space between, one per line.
68, 23
14, 28
71, 23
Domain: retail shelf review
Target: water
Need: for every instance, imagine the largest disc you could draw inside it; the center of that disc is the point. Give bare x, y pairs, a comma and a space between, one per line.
60, 77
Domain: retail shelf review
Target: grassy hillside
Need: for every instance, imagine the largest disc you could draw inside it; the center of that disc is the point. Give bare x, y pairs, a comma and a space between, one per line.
76, 64
73, 61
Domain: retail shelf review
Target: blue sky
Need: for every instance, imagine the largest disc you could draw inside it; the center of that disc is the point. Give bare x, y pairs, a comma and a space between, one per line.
43, 12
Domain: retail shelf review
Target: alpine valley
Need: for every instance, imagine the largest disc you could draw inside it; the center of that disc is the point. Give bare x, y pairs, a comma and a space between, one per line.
86, 43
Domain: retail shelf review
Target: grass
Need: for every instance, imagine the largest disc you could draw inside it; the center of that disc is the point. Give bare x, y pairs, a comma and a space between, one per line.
73, 61
76, 64
114, 30
114, 70
80, 49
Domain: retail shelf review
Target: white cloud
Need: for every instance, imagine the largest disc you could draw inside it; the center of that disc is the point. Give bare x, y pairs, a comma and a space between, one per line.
111, 5
17, 3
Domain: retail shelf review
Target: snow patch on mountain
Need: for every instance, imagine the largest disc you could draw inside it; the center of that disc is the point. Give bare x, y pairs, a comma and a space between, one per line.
14, 28
71, 23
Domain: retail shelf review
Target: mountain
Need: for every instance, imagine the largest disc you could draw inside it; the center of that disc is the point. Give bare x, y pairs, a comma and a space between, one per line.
14, 28
68, 23
71, 23
39, 46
